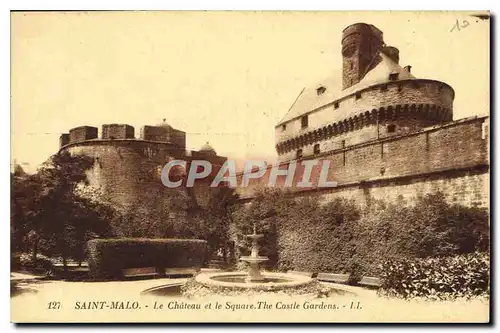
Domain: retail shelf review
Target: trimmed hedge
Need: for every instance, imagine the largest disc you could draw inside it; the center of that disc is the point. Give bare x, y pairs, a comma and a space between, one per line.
437, 278
108, 257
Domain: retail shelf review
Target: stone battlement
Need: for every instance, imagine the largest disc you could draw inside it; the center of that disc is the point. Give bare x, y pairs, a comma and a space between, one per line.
162, 133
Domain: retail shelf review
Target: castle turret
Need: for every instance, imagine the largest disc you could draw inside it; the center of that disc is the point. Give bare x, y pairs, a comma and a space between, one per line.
361, 44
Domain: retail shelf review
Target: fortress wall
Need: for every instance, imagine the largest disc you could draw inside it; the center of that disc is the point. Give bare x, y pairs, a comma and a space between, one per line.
398, 93
127, 171
467, 187
416, 157
363, 134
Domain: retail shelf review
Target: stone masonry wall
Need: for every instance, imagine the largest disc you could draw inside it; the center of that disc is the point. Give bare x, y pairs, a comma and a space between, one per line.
407, 164
127, 174
397, 93
126, 171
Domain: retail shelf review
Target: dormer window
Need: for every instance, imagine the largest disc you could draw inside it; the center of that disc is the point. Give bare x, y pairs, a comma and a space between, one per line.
391, 128
393, 76
336, 105
283, 127
320, 90
358, 95
316, 149
383, 87
304, 121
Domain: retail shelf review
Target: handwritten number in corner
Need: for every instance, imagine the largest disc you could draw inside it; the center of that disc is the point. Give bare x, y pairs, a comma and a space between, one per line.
457, 26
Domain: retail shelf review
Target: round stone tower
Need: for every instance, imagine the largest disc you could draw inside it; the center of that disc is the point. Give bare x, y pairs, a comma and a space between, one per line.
127, 170
372, 98
360, 45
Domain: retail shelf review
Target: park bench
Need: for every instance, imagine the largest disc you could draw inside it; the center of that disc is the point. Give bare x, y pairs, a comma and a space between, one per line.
337, 278
370, 282
141, 272
308, 274
180, 272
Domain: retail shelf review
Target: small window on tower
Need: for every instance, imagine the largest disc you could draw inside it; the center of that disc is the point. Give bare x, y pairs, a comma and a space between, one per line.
393, 76
320, 90
352, 65
316, 149
304, 121
299, 153
391, 128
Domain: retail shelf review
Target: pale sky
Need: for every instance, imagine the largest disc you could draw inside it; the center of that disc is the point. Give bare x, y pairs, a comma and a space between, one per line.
223, 77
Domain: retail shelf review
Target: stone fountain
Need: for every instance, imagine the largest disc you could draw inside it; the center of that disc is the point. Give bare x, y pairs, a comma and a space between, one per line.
253, 278
254, 259
235, 283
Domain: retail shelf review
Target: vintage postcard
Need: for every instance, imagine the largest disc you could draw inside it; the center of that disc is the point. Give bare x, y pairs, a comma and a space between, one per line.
250, 167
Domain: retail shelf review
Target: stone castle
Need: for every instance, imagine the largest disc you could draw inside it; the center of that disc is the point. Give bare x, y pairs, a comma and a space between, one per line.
127, 169
385, 132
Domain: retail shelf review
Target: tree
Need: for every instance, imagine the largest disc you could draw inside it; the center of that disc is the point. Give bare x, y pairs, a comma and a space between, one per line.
211, 221
24, 211
269, 208
48, 212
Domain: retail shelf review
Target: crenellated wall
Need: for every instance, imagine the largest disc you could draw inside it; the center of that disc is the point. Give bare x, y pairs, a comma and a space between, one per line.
127, 171
408, 104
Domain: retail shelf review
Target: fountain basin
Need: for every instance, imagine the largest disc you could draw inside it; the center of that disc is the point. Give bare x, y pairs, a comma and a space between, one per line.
238, 280
251, 259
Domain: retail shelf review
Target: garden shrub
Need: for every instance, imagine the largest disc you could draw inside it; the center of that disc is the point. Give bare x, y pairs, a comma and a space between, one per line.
429, 227
108, 257
42, 265
306, 234
437, 278
263, 212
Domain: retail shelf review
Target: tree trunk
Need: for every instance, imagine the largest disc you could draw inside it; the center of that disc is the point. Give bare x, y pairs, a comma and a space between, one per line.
35, 251
224, 253
65, 263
